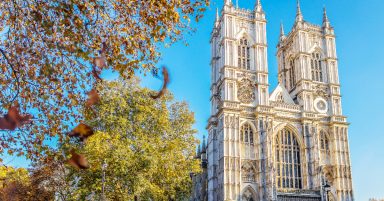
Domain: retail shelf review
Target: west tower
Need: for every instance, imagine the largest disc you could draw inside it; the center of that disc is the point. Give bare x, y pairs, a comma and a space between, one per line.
239, 84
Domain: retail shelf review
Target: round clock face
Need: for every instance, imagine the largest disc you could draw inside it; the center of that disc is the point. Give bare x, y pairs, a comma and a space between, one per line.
321, 105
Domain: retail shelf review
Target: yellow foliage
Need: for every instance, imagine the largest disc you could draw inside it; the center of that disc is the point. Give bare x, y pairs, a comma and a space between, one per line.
148, 145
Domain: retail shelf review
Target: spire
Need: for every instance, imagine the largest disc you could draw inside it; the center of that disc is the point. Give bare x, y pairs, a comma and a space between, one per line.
217, 18
228, 2
217, 14
203, 149
282, 34
326, 22
258, 7
237, 3
282, 29
299, 15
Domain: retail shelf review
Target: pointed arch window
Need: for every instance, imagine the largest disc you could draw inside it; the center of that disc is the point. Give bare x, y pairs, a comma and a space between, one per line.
292, 75
317, 74
324, 147
288, 161
246, 135
244, 54
280, 98
324, 142
247, 141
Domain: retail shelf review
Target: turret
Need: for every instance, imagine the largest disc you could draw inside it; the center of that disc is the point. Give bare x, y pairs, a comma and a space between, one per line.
299, 15
228, 2
258, 7
326, 23
217, 18
204, 146
282, 34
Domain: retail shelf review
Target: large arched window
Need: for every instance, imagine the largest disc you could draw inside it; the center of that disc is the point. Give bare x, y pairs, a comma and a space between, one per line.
292, 76
317, 74
244, 54
288, 161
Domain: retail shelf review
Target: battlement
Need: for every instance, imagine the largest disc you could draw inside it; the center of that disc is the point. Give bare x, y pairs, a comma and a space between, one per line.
245, 13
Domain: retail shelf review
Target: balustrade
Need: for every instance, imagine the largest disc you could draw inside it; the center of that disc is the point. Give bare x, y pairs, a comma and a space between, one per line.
286, 106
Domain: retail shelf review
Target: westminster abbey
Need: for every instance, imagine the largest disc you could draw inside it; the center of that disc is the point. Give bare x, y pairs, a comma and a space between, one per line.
288, 145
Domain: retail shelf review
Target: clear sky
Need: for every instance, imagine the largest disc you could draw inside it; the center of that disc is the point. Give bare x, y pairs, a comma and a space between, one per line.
359, 26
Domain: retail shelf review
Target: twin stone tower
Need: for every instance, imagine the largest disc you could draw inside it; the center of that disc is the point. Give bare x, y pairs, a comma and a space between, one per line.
288, 145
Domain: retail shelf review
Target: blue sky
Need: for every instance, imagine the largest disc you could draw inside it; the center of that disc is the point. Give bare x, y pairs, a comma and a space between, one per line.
359, 26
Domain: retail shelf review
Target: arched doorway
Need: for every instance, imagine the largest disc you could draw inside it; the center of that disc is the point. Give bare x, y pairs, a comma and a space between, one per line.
248, 194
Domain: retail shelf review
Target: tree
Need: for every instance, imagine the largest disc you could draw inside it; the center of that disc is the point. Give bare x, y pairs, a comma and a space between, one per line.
10, 174
46, 180
148, 146
50, 48
14, 183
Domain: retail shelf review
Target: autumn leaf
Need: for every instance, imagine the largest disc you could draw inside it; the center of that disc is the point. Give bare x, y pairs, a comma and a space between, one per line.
165, 84
93, 98
81, 131
13, 119
78, 161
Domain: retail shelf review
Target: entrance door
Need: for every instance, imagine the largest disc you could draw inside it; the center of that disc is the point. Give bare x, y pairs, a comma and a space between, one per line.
249, 195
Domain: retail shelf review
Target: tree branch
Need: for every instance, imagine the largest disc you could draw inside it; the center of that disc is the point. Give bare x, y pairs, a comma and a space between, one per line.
15, 73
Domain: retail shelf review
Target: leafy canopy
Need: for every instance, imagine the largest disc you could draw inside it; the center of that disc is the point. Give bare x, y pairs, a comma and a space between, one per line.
48, 47
148, 146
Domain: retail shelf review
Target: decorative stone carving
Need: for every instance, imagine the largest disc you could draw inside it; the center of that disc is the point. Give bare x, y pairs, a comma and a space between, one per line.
248, 171
232, 122
328, 171
246, 91
320, 91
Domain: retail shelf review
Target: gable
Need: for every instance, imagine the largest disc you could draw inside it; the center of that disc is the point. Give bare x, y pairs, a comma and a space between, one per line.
280, 94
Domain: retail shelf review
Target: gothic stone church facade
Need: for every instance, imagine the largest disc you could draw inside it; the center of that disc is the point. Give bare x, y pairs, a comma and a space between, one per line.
291, 144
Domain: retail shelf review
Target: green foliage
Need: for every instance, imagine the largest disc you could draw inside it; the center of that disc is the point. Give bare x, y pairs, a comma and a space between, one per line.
148, 145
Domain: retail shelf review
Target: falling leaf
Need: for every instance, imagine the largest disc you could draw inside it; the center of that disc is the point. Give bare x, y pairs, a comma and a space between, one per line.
78, 161
93, 98
165, 84
100, 62
81, 131
13, 119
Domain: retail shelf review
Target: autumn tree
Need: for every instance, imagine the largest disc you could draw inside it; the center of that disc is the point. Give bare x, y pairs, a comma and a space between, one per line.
143, 147
14, 183
46, 179
52, 51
